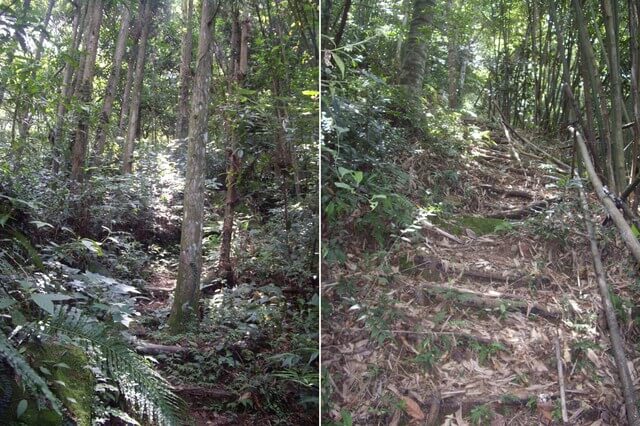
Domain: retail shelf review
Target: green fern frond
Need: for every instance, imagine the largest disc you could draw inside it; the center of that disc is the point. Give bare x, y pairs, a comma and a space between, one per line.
31, 379
148, 393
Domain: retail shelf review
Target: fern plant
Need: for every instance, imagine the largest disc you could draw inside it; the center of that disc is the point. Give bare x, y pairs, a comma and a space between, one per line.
148, 393
31, 379
145, 391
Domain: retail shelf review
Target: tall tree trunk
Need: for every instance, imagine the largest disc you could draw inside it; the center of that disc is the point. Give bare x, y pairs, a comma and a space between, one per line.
239, 61
187, 294
589, 61
56, 134
182, 128
415, 51
86, 83
109, 95
134, 109
609, 10
452, 58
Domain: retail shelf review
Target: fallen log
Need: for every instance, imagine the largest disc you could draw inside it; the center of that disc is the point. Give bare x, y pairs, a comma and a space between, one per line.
522, 212
630, 398
478, 300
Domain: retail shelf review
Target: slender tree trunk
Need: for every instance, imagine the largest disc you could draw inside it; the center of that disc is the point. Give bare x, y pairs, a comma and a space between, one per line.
415, 52
109, 95
182, 129
589, 61
187, 294
126, 93
343, 23
239, 46
134, 110
452, 58
86, 83
56, 134
609, 10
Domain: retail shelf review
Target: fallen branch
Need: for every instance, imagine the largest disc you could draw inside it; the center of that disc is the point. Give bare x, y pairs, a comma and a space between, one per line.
478, 300
145, 348
442, 232
630, 399
523, 211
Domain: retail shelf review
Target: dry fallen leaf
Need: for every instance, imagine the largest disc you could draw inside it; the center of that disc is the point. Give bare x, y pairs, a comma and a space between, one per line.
413, 409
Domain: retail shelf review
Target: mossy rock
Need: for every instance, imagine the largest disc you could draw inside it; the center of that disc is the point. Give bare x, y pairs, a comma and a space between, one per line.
61, 364
479, 225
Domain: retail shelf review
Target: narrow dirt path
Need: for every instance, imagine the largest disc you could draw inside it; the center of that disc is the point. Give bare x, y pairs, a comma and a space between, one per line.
464, 328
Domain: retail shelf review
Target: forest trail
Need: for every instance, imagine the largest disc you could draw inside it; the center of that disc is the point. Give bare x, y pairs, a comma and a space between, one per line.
459, 324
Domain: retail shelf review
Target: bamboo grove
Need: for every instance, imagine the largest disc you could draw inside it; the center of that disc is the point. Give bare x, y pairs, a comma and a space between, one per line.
586, 48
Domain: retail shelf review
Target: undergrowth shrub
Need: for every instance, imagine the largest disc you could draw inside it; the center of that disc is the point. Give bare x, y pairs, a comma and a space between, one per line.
371, 184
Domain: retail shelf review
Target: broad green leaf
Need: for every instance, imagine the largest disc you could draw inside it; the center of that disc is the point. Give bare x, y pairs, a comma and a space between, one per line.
45, 371
22, 407
4, 218
358, 176
92, 246
45, 301
5, 302
339, 62
310, 93
344, 186
342, 171
635, 231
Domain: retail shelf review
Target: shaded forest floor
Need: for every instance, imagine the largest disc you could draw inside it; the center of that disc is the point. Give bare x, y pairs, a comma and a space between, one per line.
457, 322
252, 359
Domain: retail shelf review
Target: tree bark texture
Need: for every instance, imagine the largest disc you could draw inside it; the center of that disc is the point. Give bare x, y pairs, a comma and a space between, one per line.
114, 77
136, 95
56, 133
86, 83
415, 50
182, 127
239, 61
185, 304
617, 143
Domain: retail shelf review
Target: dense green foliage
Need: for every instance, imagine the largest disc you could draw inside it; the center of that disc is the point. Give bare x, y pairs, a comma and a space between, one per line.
83, 244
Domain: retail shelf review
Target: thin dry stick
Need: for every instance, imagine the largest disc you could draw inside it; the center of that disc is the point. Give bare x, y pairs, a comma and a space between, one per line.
563, 401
